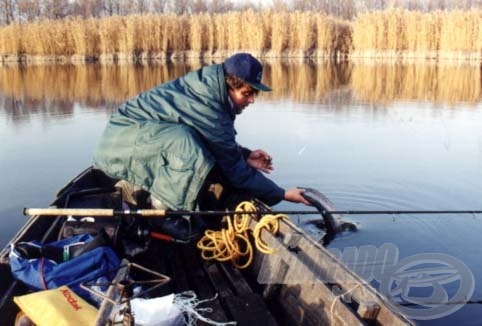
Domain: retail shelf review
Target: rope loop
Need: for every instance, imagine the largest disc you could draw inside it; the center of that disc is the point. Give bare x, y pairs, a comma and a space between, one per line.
233, 242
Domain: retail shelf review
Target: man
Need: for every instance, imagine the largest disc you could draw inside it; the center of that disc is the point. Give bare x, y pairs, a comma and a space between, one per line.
168, 139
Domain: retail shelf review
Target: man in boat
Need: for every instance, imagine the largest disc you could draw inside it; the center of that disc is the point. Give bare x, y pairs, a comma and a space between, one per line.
176, 138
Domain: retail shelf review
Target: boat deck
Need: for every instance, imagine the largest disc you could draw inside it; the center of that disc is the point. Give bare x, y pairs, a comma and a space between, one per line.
301, 283
247, 297
231, 295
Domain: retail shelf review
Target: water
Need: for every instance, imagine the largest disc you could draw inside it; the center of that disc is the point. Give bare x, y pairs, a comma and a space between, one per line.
367, 136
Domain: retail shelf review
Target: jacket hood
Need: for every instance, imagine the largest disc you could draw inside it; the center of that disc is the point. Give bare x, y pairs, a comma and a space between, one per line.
206, 85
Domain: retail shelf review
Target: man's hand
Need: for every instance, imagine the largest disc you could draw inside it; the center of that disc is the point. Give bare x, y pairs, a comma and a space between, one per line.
295, 195
260, 160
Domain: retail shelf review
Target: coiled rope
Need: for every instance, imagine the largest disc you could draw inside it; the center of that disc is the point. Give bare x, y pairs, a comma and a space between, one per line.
232, 243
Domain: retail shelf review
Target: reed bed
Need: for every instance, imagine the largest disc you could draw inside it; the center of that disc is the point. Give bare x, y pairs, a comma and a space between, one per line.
410, 34
394, 33
168, 35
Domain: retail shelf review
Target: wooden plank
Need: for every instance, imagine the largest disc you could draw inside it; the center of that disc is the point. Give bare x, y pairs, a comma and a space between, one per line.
200, 284
327, 267
218, 281
249, 310
196, 275
368, 311
239, 284
178, 273
299, 302
113, 293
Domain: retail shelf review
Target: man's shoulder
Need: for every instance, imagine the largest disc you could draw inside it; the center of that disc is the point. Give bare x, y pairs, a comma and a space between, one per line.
209, 70
207, 82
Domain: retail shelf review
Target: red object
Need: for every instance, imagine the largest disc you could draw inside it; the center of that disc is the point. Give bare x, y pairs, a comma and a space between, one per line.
161, 236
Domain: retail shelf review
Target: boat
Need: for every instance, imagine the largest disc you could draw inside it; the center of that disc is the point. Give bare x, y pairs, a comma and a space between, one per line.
269, 291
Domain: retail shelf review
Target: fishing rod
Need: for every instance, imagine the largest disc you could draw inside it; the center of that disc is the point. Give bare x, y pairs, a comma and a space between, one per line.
391, 212
164, 213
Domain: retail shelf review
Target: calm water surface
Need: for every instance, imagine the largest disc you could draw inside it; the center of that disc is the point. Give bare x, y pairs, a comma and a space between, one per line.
368, 136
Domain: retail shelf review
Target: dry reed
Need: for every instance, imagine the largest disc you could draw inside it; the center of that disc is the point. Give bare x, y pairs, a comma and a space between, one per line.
404, 33
150, 35
393, 33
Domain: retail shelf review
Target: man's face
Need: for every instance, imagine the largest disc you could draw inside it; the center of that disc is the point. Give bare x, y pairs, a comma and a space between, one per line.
242, 97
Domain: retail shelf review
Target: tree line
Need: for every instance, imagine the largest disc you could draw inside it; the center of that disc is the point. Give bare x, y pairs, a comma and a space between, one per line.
19, 11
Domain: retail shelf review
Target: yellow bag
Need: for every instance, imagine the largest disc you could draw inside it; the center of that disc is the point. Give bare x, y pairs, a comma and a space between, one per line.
59, 306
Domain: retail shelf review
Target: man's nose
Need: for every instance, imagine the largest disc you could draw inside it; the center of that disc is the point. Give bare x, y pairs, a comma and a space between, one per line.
251, 99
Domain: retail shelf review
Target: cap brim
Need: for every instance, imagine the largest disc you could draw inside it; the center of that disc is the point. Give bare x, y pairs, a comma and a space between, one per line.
260, 87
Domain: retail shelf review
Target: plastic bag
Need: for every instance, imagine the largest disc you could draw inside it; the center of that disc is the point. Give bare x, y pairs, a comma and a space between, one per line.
157, 311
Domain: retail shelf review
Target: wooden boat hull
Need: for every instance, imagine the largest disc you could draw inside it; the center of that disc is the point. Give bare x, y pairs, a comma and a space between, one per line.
288, 287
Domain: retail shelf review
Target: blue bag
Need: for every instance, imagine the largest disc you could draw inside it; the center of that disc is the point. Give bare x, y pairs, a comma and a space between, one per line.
41, 273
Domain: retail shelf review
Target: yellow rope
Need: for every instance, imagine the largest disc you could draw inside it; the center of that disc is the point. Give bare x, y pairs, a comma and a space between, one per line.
232, 243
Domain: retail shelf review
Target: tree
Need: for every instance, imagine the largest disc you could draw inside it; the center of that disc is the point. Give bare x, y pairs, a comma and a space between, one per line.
142, 6
221, 6
55, 9
90, 8
346, 9
112, 7
159, 6
198, 6
29, 10
302, 5
7, 11
181, 6
280, 5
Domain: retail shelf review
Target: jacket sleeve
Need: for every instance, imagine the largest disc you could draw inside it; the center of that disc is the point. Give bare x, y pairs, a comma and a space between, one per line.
245, 151
229, 156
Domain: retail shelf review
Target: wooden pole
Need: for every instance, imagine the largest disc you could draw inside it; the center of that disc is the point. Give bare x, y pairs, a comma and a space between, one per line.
92, 212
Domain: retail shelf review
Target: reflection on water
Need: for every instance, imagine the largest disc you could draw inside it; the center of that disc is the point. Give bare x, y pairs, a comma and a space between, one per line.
305, 82
52, 90
416, 82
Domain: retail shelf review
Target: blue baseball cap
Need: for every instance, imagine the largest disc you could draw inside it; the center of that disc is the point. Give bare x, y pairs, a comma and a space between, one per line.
248, 68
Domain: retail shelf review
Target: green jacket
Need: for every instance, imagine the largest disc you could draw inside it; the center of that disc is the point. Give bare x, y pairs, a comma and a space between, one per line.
166, 140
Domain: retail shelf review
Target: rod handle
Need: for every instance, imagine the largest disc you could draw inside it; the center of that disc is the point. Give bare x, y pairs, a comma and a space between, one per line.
95, 212
68, 211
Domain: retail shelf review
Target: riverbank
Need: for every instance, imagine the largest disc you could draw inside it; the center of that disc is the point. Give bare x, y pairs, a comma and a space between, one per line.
366, 57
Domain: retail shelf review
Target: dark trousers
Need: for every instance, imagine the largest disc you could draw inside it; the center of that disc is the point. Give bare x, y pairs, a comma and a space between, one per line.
217, 195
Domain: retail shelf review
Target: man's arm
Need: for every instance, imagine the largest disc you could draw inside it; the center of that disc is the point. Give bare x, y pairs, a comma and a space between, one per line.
230, 159
245, 151
260, 160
